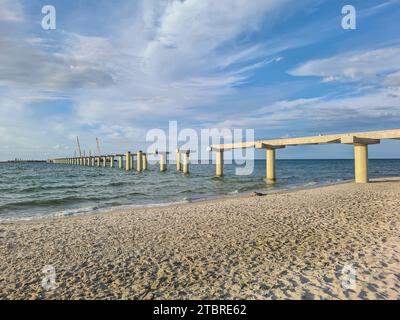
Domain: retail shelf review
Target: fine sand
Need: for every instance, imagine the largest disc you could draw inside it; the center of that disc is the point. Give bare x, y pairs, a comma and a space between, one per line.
334, 242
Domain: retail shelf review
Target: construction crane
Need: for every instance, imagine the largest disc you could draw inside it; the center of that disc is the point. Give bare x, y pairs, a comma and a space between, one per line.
98, 146
79, 146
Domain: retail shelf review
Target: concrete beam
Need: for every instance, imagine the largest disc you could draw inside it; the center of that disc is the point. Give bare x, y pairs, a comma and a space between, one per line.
321, 139
357, 140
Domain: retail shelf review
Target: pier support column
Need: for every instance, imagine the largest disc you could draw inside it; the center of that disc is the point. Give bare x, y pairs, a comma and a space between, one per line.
178, 161
163, 162
120, 162
104, 162
186, 162
360, 155
98, 161
361, 163
128, 161
111, 161
93, 162
271, 174
139, 161
219, 163
131, 158
144, 162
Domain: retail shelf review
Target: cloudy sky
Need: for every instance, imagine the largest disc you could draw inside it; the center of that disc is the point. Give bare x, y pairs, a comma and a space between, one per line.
115, 69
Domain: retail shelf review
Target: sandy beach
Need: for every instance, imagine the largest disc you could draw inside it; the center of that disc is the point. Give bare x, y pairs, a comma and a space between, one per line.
304, 244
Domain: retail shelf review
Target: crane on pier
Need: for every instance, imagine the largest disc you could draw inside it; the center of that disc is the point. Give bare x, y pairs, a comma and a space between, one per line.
98, 146
79, 146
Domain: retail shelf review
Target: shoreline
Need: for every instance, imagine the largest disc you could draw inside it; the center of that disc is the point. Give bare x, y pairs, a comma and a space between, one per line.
288, 245
221, 197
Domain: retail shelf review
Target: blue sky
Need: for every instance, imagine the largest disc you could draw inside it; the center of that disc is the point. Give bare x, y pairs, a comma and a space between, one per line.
115, 69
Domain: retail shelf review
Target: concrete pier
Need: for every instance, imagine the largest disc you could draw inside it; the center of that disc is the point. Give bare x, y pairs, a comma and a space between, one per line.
144, 162
186, 162
163, 161
361, 163
360, 141
139, 161
270, 166
128, 161
120, 160
111, 161
219, 163
131, 158
178, 161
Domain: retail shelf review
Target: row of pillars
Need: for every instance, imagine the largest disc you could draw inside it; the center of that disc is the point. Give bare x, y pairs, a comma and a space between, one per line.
360, 163
102, 161
182, 161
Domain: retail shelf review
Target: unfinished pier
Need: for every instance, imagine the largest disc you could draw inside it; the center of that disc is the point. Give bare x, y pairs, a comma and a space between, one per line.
359, 140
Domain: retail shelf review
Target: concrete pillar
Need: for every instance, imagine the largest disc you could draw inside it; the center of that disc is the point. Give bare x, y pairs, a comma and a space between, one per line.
361, 163
186, 162
104, 162
98, 161
178, 161
139, 161
219, 163
111, 161
93, 162
131, 158
271, 177
144, 162
120, 162
128, 161
163, 162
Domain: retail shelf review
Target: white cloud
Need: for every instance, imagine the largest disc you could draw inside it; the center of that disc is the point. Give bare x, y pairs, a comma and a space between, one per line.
10, 11
368, 66
321, 112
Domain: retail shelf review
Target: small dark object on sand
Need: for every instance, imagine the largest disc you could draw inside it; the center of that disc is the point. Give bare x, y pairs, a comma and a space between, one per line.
258, 194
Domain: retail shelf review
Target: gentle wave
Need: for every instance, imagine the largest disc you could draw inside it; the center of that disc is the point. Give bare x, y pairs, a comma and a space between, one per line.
60, 190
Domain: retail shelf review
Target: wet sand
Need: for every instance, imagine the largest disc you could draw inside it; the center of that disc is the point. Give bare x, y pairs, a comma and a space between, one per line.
333, 242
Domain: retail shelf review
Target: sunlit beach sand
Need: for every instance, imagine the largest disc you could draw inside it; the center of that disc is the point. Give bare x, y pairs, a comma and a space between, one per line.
304, 244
